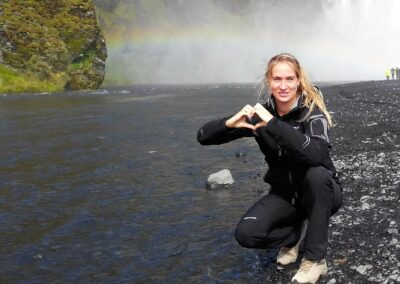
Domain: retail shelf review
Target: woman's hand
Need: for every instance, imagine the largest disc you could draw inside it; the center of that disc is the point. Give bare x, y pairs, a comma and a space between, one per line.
264, 114
239, 119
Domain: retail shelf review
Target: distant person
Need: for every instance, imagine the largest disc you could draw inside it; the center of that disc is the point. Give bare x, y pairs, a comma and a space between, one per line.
387, 74
398, 73
291, 129
392, 71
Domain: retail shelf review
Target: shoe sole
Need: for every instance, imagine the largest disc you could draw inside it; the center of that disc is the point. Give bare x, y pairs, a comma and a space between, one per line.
280, 263
296, 282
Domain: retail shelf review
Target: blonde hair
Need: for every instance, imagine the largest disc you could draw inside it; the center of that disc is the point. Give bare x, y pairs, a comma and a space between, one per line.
312, 96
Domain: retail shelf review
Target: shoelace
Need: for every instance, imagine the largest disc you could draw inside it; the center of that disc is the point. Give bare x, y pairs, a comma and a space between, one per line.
290, 251
306, 265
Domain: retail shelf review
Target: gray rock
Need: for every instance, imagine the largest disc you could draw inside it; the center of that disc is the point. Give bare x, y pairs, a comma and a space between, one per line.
362, 269
240, 154
220, 179
365, 206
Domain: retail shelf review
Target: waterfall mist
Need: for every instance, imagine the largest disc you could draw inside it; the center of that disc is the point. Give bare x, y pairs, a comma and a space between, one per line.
214, 41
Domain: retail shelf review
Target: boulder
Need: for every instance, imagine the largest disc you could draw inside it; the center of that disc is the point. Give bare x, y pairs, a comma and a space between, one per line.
221, 179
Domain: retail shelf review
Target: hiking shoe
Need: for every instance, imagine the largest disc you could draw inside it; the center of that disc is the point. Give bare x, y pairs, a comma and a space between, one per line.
289, 255
310, 271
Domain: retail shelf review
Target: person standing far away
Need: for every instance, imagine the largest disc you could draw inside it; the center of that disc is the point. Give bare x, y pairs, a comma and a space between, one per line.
387, 74
291, 129
396, 70
398, 73
392, 71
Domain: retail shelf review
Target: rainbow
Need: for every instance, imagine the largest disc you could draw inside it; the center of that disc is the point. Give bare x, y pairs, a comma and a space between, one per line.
355, 48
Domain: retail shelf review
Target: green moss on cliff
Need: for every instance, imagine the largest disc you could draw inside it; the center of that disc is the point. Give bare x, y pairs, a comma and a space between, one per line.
12, 81
40, 40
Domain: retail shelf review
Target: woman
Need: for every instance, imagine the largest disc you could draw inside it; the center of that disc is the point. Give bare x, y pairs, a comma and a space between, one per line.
291, 130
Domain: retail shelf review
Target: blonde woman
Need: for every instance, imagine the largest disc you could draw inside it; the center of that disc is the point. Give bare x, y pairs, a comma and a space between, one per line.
291, 130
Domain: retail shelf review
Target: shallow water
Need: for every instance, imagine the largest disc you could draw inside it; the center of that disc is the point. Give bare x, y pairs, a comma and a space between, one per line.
109, 187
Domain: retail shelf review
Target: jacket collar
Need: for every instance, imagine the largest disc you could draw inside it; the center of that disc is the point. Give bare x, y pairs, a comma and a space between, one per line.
295, 107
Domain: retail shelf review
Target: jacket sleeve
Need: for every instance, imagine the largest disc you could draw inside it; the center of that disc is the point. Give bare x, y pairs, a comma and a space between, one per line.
215, 132
310, 147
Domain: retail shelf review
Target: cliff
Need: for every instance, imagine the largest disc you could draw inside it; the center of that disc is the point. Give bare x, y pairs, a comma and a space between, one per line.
50, 45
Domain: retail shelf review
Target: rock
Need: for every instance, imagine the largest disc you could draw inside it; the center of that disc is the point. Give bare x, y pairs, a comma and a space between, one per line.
365, 198
365, 206
220, 179
240, 154
37, 257
50, 45
362, 269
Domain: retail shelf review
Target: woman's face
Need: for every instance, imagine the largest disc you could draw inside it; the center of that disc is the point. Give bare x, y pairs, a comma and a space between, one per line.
284, 83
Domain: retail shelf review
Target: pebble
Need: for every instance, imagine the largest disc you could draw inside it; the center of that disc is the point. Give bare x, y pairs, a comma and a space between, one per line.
37, 257
362, 269
220, 179
365, 206
240, 154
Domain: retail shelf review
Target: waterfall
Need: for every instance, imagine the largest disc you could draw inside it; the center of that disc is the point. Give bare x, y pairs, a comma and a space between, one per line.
230, 41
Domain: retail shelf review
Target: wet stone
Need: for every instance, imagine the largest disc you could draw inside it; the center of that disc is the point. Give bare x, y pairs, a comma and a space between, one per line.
221, 179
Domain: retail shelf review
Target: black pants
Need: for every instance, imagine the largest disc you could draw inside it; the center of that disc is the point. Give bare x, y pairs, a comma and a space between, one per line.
274, 222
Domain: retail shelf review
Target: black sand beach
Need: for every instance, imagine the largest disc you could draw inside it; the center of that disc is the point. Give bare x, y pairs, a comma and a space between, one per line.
109, 187
364, 235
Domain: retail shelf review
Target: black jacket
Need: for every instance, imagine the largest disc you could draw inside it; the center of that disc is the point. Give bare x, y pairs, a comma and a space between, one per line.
290, 145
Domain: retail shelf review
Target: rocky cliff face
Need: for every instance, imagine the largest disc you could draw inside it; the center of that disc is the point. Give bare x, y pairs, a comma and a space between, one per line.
50, 45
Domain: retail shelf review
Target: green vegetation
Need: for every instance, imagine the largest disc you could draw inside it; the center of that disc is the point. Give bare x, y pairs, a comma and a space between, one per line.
45, 45
12, 81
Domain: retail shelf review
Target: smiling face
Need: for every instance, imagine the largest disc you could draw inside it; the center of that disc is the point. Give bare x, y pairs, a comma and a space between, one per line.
283, 82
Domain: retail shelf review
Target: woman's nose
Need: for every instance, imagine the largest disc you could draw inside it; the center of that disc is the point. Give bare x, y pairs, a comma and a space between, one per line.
283, 84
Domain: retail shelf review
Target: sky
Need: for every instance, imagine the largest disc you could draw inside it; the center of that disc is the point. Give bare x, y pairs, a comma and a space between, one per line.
334, 40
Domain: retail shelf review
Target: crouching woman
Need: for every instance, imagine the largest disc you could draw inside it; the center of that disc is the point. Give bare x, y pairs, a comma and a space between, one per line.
291, 129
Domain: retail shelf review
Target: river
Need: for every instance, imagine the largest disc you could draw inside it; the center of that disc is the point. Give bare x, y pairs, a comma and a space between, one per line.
108, 186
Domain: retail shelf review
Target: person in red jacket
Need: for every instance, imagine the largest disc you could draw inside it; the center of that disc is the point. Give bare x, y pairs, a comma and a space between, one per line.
291, 129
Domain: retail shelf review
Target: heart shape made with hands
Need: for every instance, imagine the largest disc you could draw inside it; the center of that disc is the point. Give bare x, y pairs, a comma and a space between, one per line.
244, 118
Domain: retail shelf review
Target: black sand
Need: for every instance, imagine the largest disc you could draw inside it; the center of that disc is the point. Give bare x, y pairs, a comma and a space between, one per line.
365, 243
